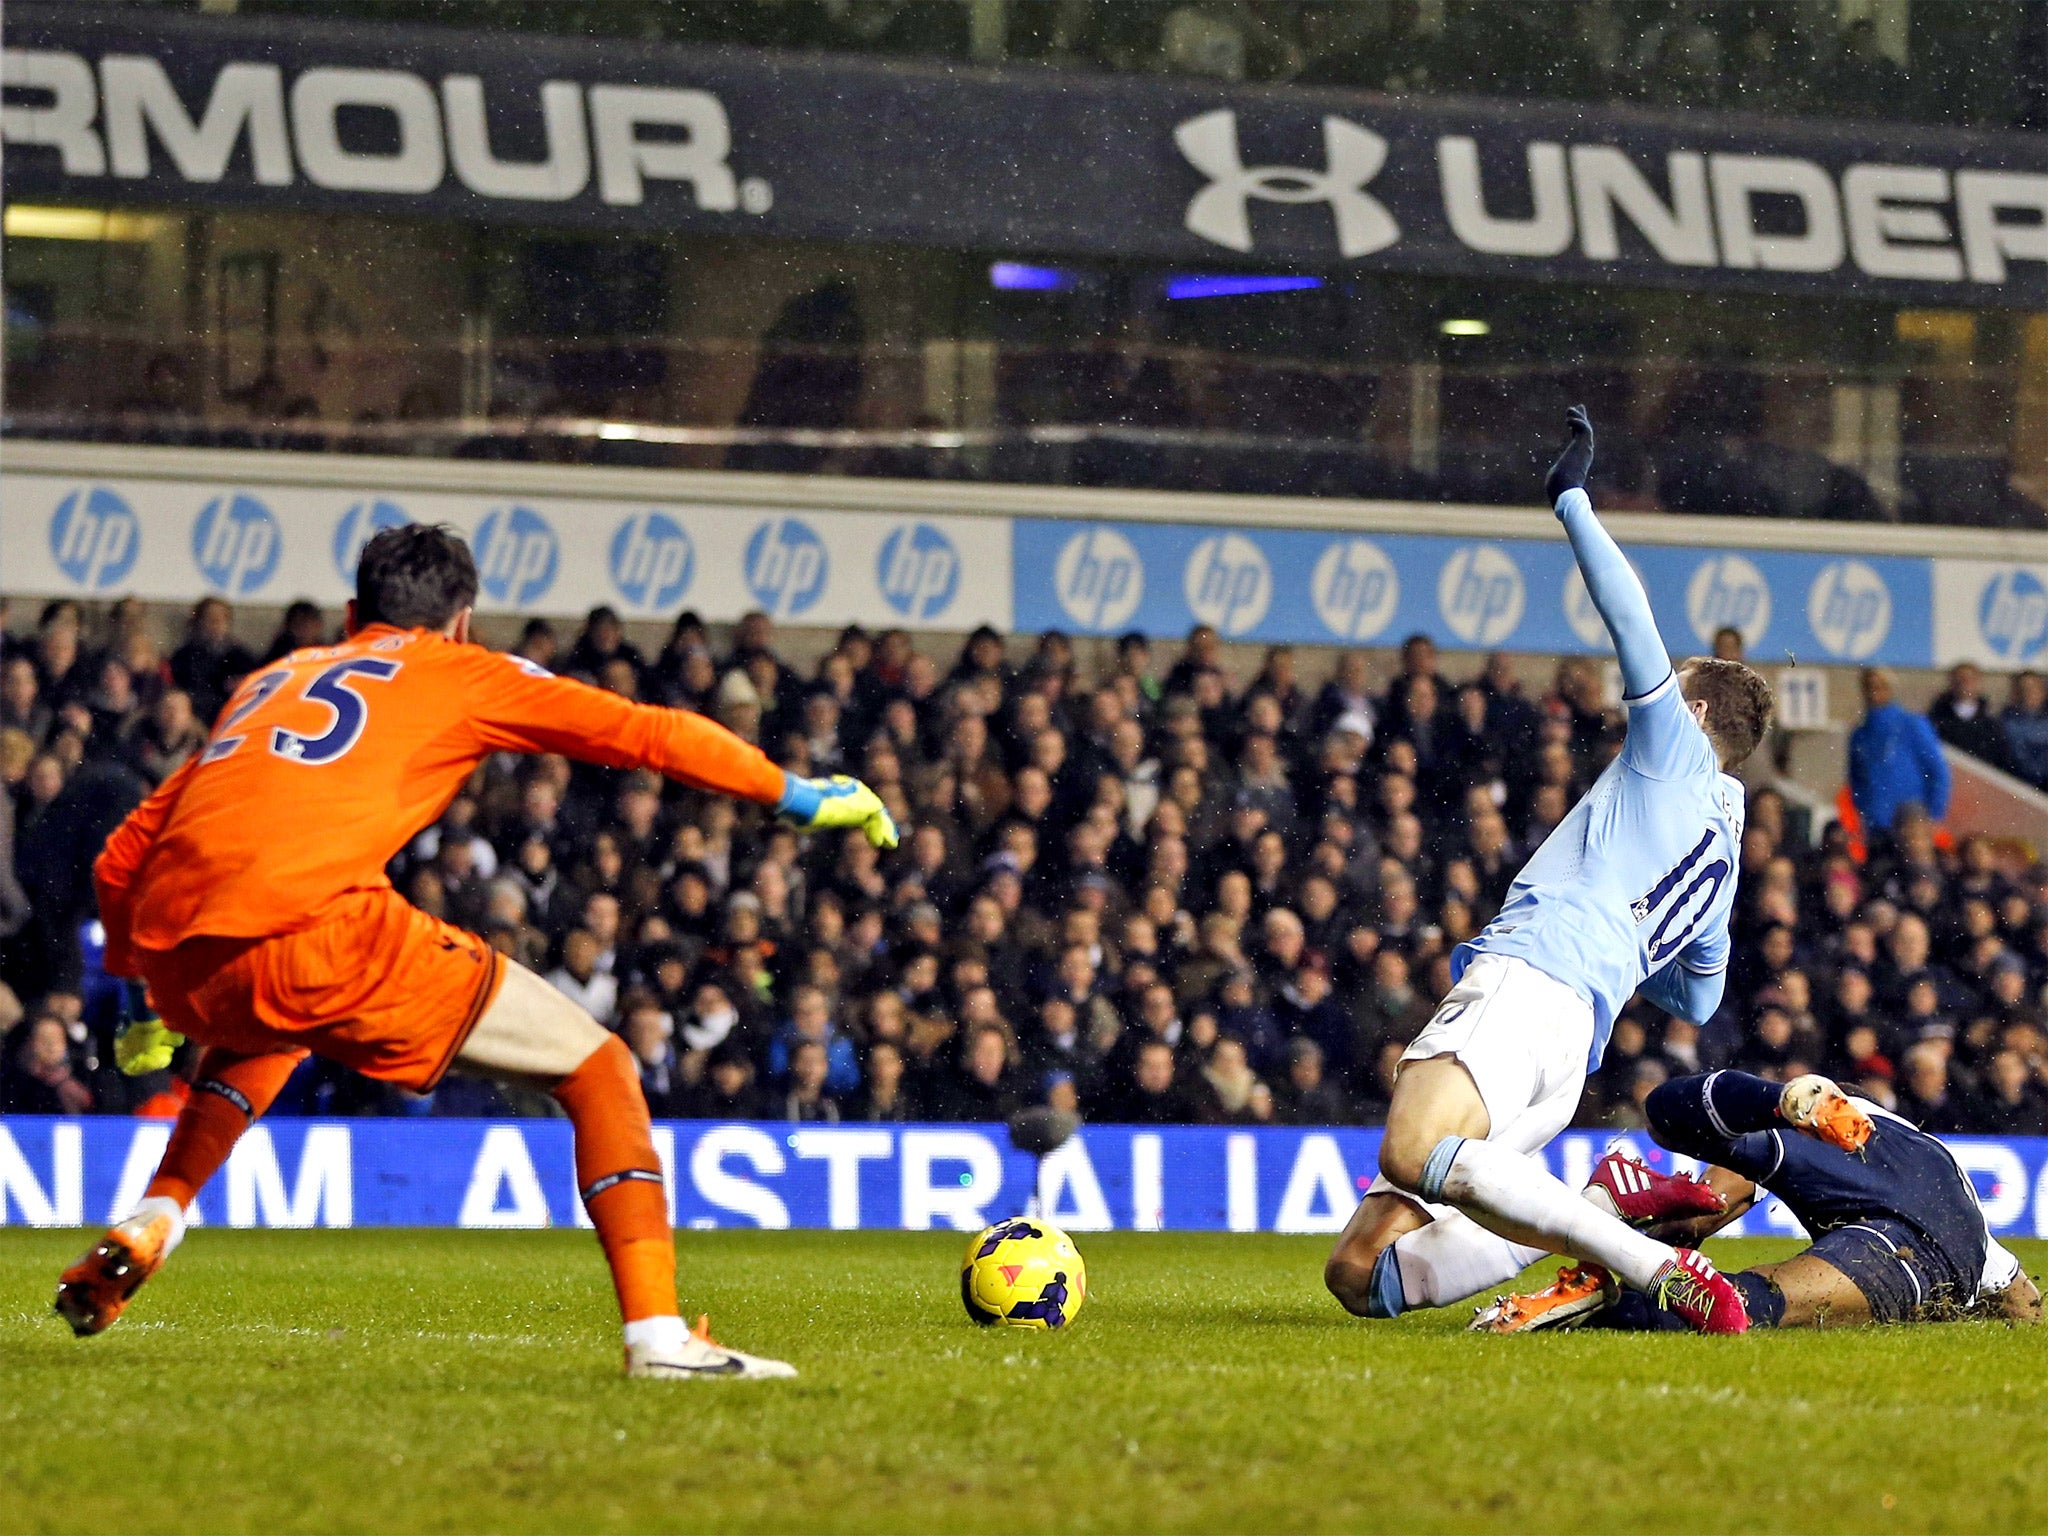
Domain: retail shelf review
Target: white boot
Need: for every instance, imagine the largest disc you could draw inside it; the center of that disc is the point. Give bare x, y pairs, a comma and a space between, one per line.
660, 1347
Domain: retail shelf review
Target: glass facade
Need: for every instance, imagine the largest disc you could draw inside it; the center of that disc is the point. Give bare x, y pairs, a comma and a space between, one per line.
348, 332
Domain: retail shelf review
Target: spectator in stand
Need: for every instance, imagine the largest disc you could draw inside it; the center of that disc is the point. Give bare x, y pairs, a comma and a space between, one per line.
1928, 1096
807, 1096
211, 661
1155, 1095
579, 977
41, 1079
886, 1093
1894, 758
650, 1032
1234, 1093
727, 1091
2025, 723
2012, 1105
1962, 717
982, 1086
1308, 1097
810, 1021
21, 700
304, 625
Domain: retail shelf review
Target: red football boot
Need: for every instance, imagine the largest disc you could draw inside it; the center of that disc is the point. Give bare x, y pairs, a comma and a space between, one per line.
1643, 1197
1692, 1289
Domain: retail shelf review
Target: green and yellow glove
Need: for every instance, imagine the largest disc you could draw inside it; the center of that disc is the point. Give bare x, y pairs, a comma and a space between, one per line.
818, 805
144, 1044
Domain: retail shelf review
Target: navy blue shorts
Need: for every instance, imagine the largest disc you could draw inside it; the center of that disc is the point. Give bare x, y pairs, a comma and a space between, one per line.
1886, 1261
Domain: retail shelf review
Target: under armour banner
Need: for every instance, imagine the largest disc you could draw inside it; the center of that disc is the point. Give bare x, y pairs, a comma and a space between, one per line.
132, 105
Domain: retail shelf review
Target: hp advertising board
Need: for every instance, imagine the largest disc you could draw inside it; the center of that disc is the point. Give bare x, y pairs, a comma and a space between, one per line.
1477, 594
178, 540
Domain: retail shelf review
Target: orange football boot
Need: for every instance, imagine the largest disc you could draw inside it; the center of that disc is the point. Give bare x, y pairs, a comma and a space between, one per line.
94, 1291
1577, 1293
1814, 1104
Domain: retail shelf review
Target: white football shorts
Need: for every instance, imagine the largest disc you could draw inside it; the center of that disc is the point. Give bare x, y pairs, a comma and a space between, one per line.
1524, 1037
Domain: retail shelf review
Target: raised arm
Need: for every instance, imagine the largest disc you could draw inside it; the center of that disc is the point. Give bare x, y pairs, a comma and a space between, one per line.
523, 710
1610, 579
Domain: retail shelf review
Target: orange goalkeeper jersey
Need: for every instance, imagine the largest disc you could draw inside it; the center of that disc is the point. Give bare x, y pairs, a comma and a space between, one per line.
324, 765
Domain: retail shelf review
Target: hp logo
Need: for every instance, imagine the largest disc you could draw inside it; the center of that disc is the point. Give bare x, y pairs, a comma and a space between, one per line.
1355, 589
1849, 608
652, 560
786, 567
1728, 592
362, 522
2012, 614
517, 556
1228, 583
1100, 579
919, 571
95, 537
1480, 594
236, 544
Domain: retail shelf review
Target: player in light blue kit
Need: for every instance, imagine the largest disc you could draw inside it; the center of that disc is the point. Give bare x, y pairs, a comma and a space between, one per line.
1631, 892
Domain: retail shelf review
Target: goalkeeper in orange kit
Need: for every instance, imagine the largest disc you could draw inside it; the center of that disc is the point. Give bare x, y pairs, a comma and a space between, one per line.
249, 893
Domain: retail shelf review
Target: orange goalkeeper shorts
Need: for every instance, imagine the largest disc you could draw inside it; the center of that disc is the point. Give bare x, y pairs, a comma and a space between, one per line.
383, 989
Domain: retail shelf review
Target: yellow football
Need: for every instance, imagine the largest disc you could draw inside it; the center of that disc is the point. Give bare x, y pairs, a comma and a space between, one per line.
1023, 1273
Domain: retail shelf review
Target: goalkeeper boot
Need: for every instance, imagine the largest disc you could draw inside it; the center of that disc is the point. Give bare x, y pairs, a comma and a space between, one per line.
1699, 1295
1579, 1291
698, 1354
95, 1291
1814, 1104
1642, 1196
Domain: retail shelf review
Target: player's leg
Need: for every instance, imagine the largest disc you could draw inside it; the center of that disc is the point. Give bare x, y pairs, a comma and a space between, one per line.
1722, 1118
531, 1033
231, 1092
1356, 1271
1527, 1036
1672, 1207
1810, 1292
1805, 1291
1394, 1256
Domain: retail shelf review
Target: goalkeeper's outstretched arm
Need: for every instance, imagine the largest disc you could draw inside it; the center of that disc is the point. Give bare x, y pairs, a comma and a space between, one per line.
1610, 580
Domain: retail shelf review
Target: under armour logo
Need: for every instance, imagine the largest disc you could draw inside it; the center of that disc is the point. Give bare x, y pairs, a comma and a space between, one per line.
1221, 211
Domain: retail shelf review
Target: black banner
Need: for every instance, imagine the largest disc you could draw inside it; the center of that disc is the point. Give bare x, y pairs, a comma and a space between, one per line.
126, 105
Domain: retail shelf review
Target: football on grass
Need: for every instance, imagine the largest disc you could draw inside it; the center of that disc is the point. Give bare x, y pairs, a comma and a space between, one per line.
1023, 1273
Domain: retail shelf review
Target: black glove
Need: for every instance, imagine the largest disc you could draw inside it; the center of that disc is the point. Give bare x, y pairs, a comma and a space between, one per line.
1576, 462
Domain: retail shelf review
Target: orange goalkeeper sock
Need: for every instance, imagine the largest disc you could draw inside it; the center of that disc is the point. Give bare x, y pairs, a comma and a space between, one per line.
619, 1177
231, 1092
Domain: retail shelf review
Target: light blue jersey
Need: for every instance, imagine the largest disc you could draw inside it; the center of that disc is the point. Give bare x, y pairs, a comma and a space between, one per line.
1633, 889
1640, 874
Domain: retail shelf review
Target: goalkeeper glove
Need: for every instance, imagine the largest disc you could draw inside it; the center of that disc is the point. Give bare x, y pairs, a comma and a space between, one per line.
143, 1043
818, 804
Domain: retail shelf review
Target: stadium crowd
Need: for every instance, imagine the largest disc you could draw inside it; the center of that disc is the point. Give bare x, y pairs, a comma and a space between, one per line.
1149, 895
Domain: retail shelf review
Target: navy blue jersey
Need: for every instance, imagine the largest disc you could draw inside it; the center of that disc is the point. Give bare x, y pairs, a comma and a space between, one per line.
1902, 1175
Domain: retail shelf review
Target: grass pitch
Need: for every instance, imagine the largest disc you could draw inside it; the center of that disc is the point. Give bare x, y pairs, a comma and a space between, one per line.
450, 1381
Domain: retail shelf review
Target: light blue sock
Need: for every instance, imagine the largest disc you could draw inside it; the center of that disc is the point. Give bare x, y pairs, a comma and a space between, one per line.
1387, 1298
1437, 1167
